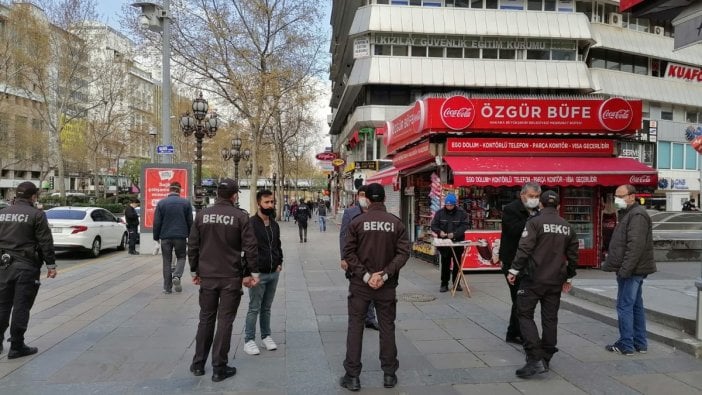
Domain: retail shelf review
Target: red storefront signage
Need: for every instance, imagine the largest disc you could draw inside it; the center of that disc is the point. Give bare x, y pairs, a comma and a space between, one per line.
413, 156
326, 156
529, 147
686, 73
508, 115
484, 254
625, 5
156, 184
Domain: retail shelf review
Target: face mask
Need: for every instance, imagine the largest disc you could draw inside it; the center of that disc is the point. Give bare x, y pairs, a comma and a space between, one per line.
363, 202
532, 203
268, 211
619, 203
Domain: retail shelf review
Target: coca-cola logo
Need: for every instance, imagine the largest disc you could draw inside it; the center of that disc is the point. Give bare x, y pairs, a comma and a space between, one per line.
640, 179
616, 114
457, 112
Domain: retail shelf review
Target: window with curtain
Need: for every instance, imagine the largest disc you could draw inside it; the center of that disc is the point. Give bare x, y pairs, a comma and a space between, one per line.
664, 155
678, 156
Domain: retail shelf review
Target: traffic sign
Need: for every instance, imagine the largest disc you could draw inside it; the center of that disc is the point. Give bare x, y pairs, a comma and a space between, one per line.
165, 150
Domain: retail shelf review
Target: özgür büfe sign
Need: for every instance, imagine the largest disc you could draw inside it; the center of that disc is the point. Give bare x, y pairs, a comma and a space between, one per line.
510, 115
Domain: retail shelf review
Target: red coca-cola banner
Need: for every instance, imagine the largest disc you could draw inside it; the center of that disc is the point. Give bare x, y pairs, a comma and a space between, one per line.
529, 147
508, 115
413, 156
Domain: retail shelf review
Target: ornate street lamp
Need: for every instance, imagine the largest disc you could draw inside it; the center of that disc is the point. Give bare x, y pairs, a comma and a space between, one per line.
235, 154
201, 125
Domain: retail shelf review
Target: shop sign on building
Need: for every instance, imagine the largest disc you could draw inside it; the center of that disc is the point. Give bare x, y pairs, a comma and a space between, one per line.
406, 127
529, 147
361, 48
366, 165
681, 72
679, 183
413, 156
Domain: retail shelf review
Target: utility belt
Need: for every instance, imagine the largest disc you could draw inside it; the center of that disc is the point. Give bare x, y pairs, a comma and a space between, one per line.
25, 259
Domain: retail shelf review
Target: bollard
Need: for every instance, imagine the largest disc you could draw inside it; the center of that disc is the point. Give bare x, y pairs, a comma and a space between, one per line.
698, 329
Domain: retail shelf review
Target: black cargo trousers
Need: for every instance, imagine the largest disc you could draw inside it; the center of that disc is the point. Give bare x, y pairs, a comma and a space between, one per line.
385, 302
18, 290
219, 302
528, 296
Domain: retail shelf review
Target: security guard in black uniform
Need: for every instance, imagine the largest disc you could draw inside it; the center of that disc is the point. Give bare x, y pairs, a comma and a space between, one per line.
217, 238
25, 244
548, 242
377, 247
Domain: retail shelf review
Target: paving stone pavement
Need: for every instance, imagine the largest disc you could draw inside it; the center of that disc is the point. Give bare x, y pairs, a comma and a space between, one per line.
106, 328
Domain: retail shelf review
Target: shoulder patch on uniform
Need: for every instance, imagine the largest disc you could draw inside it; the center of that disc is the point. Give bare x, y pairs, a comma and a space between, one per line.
525, 233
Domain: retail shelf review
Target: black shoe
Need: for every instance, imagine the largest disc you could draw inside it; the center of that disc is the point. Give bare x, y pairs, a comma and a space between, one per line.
514, 339
350, 383
389, 380
197, 371
372, 325
444, 288
176, 284
305, 240
23, 351
223, 373
133, 252
531, 368
547, 363
459, 288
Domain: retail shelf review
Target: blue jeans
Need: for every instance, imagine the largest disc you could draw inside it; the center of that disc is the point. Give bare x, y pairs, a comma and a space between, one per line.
260, 301
630, 310
322, 224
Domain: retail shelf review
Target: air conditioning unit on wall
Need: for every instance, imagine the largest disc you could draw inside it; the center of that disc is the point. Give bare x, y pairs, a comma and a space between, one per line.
615, 19
659, 30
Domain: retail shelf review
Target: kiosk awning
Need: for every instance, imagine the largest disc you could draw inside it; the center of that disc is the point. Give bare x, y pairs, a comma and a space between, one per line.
556, 171
384, 177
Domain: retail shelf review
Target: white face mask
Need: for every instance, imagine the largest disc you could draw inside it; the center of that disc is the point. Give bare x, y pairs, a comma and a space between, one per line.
363, 202
532, 203
619, 203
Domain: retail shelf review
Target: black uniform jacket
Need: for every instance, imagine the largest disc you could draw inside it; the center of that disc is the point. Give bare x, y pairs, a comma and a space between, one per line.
270, 253
131, 216
514, 218
218, 237
376, 241
548, 242
454, 221
631, 246
25, 234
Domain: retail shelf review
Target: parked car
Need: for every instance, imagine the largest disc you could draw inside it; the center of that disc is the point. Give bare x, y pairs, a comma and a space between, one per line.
3, 204
91, 229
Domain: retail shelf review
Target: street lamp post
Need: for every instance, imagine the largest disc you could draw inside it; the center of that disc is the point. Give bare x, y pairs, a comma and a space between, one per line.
236, 154
201, 125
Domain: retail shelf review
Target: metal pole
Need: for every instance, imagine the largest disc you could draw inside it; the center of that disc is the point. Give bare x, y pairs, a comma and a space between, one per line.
166, 77
236, 169
698, 283
198, 171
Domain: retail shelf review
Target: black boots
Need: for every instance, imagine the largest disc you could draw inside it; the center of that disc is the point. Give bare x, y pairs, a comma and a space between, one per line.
350, 383
389, 380
531, 368
21, 351
224, 373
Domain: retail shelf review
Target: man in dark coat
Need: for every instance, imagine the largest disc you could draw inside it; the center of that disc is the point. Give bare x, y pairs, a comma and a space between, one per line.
630, 255
450, 222
173, 219
514, 218
132, 218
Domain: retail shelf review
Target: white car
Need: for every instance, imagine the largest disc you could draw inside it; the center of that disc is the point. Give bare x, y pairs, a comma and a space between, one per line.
86, 228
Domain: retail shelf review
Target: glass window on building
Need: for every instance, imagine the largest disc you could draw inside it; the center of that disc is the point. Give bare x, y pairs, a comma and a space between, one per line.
627, 63
537, 54
419, 51
507, 54
432, 3
612, 60
370, 149
534, 5
550, 5
491, 4
559, 54
415, 2
454, 52
640, 65
489, 53
400, 50
667, 115
476, 4
648, 153
664, 155
678, 156
382, 49
382, 1
473, 53
691, 116
690, 157
436, 52
462, 3
597, 58
399, 2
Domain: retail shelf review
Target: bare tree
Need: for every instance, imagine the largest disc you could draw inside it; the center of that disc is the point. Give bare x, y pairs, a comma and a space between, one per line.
248, 52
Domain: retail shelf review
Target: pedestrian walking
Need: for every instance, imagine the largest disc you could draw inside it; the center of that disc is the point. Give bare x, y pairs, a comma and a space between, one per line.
450, 222
269, 262
350, 213
286, 211
173, 219
630, 255
377, 247
514, 217
217, 239
132, 218
302, 215
322, 215
546, 261
25, 245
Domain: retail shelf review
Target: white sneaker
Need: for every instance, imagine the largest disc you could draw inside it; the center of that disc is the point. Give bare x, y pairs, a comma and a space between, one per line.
269, 343
251, 348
